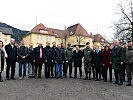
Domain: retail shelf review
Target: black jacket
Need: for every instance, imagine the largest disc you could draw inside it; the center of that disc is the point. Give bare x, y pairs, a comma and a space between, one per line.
11, 53
48, 54
59, 55
77, 58
23, 51
30, 57
96, 59
36, 54
2, 55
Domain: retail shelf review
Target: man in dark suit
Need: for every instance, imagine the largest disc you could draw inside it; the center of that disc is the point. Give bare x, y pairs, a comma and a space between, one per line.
38, 60
77, 56
53, 63
11, 59
48, 59
96, 62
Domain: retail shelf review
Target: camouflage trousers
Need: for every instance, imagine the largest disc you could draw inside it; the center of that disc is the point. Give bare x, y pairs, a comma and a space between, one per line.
129, 70
87, 67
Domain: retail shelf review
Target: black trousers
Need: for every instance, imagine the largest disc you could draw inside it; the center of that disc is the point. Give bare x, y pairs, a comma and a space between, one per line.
38, 69
64, 68
68, 64
98, 72
75, 71
118, 75
124, 71
105, 72
93, 72
0, 76
10, 65
48, 70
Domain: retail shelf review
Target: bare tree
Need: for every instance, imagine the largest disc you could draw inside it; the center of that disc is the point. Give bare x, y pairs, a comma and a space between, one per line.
65, 35
124, 25
79, 38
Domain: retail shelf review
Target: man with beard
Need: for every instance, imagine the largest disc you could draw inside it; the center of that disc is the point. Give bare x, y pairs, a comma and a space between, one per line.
11, 59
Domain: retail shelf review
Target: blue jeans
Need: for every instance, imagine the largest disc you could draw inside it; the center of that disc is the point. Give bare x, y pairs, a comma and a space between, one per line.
58, 70
30, 69
22, 66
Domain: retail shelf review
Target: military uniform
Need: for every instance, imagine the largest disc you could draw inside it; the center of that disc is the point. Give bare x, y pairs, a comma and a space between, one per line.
117, 58
129, 63
87, 61
68, 58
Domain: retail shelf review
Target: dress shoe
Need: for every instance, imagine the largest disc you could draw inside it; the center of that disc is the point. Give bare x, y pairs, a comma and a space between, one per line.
7, 78
13, 78
86, 78
97, 79
105, 80
70, 77
120, 83
1, 80
115, 82
128, 84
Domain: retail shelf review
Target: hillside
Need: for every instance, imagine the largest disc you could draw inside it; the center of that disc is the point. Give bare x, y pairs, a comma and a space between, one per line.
17, 33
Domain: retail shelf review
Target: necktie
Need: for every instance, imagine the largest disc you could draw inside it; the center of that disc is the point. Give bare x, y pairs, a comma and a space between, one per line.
40, 52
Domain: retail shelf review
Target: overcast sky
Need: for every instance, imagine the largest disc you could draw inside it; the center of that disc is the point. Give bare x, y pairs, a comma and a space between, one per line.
95, 16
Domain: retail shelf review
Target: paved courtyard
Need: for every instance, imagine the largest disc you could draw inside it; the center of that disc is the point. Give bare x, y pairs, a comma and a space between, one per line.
62, 89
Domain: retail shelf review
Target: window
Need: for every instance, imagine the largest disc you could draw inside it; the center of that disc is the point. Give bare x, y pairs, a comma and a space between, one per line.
59, 40
71, 33
5, 40
39, 37
43, 31
47, 38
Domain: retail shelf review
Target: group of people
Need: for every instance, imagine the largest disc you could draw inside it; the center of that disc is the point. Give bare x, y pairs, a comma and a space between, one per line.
57, 60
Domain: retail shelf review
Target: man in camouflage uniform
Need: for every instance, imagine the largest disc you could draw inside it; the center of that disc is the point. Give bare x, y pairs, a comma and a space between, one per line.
117, 58
68, 58
87, 60
129, 62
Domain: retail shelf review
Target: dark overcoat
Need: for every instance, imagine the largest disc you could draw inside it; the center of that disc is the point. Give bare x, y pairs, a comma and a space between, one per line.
77, 58
96, 59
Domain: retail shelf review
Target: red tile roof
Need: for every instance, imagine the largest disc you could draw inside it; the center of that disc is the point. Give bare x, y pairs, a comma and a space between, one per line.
58, 33
77, 29
41, 29
99, 38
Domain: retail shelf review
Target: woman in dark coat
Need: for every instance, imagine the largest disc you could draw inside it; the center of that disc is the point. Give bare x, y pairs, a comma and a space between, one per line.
96, 62
105, 60
77, 56
2, 59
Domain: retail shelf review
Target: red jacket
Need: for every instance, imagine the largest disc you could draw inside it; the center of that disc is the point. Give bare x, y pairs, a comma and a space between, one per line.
105, 58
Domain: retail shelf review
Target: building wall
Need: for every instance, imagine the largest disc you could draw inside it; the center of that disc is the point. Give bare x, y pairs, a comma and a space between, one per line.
5, 38
73, 40
27, 39
100, 44
38, 38
97, 44
59, 41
